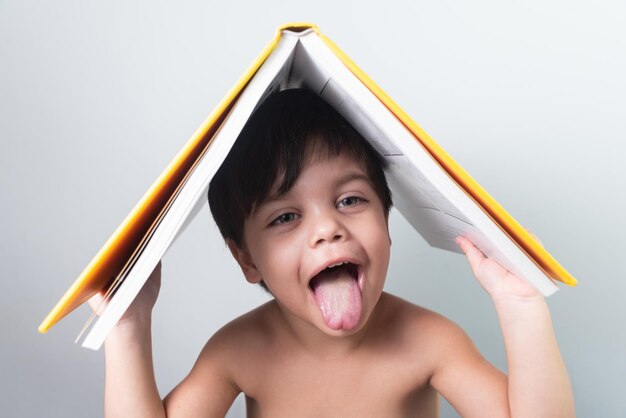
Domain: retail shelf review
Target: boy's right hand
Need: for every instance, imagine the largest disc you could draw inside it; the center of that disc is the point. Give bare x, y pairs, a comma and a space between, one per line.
141, 308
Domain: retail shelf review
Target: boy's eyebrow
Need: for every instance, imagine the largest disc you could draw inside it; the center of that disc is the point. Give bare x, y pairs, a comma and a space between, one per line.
347, 178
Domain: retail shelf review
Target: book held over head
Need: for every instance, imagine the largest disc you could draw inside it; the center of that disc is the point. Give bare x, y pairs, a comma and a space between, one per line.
437, 197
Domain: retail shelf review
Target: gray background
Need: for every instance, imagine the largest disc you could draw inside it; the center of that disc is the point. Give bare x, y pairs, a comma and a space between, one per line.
95, 99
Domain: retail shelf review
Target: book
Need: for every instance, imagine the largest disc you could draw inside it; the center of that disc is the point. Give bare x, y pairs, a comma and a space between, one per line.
433, 192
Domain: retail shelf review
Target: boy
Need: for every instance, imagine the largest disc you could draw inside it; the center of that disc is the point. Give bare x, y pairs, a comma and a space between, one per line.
303, 205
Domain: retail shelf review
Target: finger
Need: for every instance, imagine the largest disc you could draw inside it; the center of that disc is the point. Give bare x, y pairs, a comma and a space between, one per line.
156, 273
95, 301
474, 256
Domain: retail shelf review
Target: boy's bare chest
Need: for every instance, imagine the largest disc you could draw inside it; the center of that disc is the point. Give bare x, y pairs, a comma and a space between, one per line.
359, 387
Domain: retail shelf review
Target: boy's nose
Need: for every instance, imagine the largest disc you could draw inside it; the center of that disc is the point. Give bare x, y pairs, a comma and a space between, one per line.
326, 228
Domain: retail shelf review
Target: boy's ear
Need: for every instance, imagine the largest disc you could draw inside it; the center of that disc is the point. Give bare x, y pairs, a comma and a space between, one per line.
243, 258
387, 224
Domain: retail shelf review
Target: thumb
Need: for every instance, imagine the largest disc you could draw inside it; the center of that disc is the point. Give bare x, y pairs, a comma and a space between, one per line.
96, 301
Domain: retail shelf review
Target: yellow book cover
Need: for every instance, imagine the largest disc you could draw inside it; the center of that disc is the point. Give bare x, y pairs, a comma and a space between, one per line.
116, 255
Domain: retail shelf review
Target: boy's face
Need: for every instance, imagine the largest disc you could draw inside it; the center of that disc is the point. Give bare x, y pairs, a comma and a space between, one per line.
332, 214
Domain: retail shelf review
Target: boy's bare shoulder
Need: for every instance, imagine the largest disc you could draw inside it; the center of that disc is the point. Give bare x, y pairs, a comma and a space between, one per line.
457, 369
252, 329
427, 330
215, 379
218, 368
422, 333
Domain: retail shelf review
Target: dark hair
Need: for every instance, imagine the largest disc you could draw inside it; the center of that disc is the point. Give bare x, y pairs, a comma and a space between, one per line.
283, 133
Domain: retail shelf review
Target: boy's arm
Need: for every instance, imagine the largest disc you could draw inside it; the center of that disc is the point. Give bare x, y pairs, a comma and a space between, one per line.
538, 382
130, 386
208, 390
538, 385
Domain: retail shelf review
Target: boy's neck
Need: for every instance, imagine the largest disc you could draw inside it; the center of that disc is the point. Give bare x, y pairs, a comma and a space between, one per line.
313, 340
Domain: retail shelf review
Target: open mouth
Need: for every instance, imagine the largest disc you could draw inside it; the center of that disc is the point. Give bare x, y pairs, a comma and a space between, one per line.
337, 292
335, 271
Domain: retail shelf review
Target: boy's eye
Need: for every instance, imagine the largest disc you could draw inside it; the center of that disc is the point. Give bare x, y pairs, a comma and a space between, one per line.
350, 201
284, 218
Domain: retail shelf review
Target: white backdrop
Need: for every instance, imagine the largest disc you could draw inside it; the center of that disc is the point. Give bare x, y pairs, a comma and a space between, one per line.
95, 99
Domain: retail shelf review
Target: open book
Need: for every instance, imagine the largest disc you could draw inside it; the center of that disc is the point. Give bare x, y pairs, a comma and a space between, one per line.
438, 198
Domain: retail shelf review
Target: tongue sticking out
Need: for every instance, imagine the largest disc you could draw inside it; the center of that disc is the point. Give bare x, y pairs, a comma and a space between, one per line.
338, 297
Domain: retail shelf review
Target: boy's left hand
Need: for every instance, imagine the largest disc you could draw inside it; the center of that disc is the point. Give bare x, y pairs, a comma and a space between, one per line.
497, 281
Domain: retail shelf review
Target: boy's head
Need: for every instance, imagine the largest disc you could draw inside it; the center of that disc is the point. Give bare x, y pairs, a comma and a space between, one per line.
288, 131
